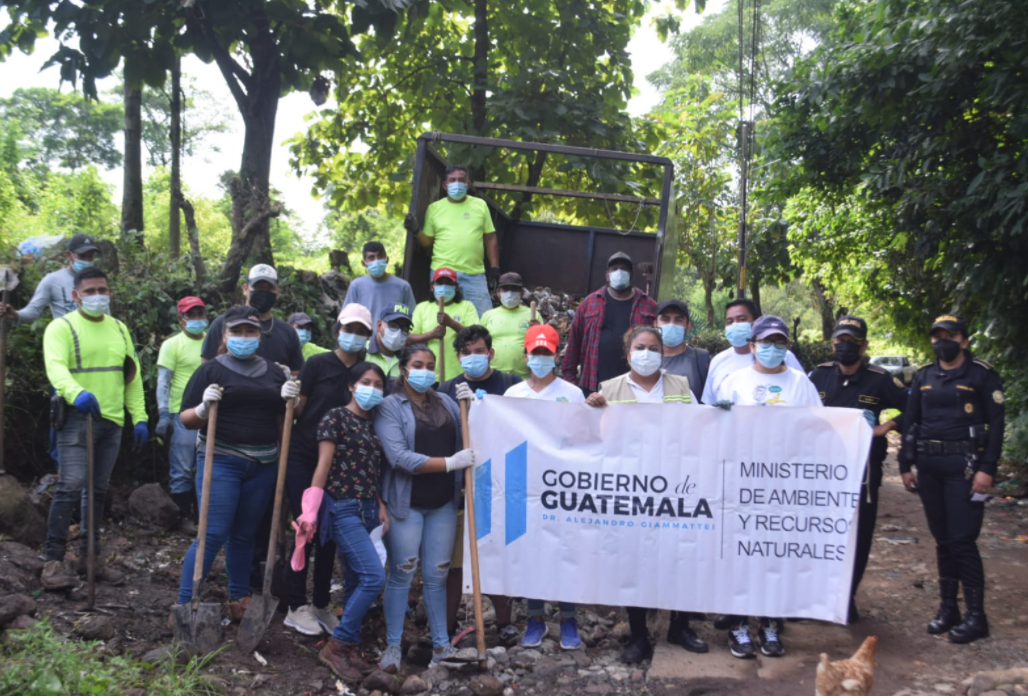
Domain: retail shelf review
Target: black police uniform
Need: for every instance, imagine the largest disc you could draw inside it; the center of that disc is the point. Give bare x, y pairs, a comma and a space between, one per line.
954, 428
875, 389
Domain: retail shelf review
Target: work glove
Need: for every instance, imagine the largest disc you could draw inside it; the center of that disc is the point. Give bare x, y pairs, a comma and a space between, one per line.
724, 404
870, 417
290, 390
140, 434
464, 392
460, 460
86, 403
410, 223
306, 525
164, 425
494, 274
211, 394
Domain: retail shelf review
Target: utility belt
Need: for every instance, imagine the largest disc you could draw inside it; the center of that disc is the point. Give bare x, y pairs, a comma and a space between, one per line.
946, 448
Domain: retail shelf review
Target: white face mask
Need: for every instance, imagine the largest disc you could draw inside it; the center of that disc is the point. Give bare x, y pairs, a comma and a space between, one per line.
645, 362
620, 279
393, 339
510, 299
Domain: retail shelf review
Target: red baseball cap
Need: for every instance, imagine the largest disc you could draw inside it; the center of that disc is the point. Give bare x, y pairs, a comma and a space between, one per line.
541, 336
445, 273
190, 302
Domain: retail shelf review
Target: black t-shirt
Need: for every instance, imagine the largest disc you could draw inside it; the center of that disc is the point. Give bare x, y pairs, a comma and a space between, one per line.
249, 408
279, 342
433, 490
611, 359
325, 380
496, 384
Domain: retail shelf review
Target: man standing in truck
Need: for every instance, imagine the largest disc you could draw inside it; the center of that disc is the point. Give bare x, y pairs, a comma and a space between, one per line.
456, 228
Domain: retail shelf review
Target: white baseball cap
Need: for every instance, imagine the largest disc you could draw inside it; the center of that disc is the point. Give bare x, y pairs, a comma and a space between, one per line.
263, 272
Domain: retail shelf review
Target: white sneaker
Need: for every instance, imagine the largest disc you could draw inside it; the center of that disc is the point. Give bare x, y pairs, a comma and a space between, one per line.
303, 620
325, 617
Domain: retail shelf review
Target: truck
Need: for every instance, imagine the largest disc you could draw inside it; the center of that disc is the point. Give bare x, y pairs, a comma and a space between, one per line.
566, 259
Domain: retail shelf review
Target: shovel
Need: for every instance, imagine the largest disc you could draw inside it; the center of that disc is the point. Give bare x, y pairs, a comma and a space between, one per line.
262, 607
8, 282
90, 519
198, 625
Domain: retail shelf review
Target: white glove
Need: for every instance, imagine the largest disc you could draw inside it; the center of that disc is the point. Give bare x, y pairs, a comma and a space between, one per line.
288, 372
211, 394
464, 392
290, 390
460, 460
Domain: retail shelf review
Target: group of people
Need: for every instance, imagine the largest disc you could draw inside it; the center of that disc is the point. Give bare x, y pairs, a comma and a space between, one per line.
377, 448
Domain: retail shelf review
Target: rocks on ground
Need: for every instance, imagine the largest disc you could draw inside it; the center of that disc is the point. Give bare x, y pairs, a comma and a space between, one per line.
151, 504
14, 606
1005, 682
95, 628
19, 517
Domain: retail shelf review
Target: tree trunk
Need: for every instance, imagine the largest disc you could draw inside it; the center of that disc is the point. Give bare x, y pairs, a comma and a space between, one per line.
480, 80
175, 218
755, 290
708, 301
194, 238
826, 308
132, 187
535, 171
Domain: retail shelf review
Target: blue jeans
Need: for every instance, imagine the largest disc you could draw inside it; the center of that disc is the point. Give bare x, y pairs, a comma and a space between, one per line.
353, 520
72, 478
182, 456
475, 288
241, 490
536, 607
53, 436
428, 533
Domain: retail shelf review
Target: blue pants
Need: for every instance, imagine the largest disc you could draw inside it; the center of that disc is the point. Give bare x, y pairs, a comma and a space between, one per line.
430, 533
240, 492
353, 520
53, 436
182, 456
536, 608
72, 478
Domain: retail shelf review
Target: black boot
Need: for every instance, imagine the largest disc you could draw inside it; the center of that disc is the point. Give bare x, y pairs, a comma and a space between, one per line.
184, 501
949, 612
975, 625
681, 634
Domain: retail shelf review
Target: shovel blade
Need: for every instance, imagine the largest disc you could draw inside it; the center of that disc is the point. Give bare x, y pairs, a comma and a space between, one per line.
198, 631
256, 621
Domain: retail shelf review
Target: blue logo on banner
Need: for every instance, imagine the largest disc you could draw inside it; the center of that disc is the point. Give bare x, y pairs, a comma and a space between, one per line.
516, 495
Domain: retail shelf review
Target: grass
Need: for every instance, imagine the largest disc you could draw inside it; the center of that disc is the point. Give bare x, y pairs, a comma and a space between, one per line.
39, 661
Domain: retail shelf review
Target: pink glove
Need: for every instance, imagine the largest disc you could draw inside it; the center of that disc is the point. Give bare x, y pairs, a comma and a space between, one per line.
306, 525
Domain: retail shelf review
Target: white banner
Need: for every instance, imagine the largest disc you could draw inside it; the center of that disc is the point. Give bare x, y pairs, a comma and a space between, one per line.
751, 511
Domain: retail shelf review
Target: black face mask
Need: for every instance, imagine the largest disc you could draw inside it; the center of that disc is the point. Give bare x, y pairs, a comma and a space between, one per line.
946, 349
262, 301
847, 353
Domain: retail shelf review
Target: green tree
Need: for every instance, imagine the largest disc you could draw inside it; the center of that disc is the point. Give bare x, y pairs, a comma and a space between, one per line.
203, 119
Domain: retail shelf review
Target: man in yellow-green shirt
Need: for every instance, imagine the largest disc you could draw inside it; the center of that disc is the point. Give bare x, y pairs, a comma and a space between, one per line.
92, 364
456, 228
432, 325
507, 324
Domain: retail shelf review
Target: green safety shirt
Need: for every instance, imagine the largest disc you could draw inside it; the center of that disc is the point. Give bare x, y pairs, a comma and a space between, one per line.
310, 349
507, 328
98, 357
457, 231
180, 355
426, 319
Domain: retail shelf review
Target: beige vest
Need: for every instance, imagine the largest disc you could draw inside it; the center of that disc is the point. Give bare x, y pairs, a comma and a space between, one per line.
676, 389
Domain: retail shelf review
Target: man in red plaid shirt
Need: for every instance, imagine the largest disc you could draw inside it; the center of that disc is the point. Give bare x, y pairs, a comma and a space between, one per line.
596, 341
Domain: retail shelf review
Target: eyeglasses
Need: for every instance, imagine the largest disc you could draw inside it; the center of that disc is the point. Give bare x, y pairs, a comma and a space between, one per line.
767, 343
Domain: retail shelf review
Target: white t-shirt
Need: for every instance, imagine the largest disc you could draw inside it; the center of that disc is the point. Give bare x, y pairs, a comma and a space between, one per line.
748, 386
728, 362
559, 390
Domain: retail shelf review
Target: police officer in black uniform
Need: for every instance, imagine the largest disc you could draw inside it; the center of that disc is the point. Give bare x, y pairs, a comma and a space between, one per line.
953, 435
850, 381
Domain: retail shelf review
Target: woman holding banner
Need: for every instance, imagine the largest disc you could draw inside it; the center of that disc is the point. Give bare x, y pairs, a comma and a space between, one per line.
421, 436
646, 382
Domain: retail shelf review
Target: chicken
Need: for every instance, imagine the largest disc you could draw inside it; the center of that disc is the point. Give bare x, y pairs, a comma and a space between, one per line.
848, 677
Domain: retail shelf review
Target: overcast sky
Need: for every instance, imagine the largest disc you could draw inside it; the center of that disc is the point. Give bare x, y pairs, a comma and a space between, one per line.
201, 172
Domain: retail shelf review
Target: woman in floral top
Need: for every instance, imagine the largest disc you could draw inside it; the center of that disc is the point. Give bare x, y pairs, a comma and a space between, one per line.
348, 482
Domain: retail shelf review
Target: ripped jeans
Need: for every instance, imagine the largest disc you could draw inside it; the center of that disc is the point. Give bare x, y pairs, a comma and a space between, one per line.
425, 536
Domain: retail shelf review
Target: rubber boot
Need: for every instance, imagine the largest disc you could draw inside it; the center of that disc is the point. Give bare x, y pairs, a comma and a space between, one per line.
948, 615
184, 501
975, 625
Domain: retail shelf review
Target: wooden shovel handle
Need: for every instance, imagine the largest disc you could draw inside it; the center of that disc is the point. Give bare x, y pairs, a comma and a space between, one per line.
205, 502
469, 513
442, 346
276, 515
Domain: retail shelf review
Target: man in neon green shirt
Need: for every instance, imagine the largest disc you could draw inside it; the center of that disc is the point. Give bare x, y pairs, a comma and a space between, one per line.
178, 359
507, 324
431, 324
304, 327
92, 364
456, 228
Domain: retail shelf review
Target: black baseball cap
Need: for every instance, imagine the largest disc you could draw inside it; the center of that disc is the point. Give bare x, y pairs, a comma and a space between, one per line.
767, 325
299, 319
851, 325
620, 257
674, 304
511, 278
81, 243
242, 315
951, 322
398, 311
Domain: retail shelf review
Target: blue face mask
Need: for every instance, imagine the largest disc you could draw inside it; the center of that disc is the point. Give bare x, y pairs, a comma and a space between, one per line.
304, 335
738, 333
620, 279
243, 347
770, 356
672, 335
475, 365
96, 305
80, 264
196, 326
444, 291
456, 190
377, 268
351, 343
367, 397
541, 366
421, 379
